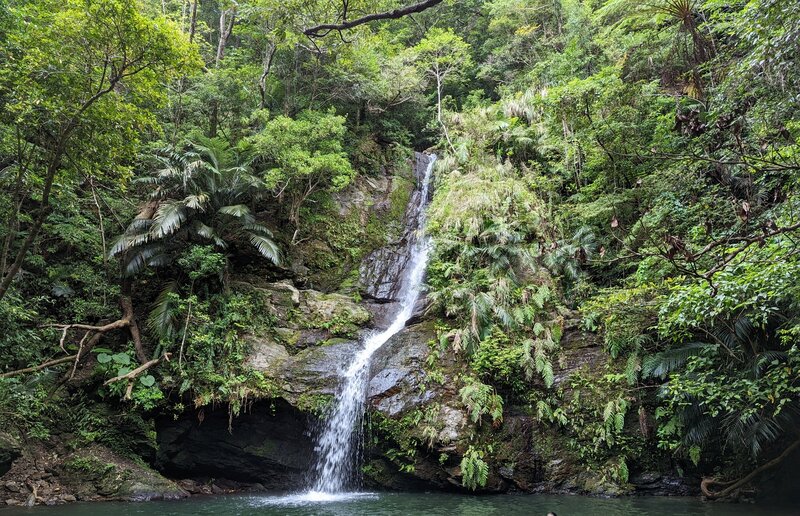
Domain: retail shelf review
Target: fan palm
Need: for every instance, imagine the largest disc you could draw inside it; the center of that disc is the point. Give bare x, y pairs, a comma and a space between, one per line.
201, 195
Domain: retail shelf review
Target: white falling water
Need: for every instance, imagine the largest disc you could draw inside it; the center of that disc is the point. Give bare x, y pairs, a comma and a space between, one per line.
340, 441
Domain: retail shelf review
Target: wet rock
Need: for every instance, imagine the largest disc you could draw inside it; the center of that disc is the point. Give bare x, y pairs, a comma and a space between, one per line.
580, 349
381, 272
136, 491
658, 484
316, 370
398, 376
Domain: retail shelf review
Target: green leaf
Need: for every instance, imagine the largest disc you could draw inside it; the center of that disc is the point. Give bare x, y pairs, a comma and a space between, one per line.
148, 381
121, 359
694, 454
103, 358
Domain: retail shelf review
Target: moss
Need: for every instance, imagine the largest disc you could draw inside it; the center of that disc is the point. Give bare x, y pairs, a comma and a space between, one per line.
338, 242
336, 313
287, 336
89, 467
313, 403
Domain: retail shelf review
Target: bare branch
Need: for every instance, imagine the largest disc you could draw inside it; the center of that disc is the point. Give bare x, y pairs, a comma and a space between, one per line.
39, 367
139, 370
324, 29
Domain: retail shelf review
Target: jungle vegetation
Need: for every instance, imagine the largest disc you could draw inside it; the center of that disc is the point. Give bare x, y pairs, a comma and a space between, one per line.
635, 163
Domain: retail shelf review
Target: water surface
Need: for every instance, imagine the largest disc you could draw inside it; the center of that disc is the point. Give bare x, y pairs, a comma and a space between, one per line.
402, 504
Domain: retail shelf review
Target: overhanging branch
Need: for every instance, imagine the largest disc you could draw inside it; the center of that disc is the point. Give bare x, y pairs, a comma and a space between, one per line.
324, 29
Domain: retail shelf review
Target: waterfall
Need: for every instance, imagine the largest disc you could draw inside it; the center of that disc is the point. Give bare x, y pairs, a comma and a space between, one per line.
339, 444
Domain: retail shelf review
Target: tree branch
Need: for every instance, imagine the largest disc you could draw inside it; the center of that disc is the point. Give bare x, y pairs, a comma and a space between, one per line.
736, 484
139, 370
324, 29
39, 367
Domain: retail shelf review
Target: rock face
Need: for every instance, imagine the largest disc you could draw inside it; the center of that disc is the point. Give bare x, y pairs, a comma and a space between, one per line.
411, 399
10, 449
381, 271
269, 444
398, 382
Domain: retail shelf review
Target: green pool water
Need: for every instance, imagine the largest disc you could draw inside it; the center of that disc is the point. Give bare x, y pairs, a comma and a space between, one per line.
387, 504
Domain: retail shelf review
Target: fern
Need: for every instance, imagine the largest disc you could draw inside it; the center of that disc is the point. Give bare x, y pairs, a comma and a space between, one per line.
480, 400
474, 470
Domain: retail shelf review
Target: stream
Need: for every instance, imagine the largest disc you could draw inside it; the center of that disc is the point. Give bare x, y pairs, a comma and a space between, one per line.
433, 504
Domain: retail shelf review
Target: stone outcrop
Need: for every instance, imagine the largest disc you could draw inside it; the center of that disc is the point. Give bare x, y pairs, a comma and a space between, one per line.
381, 270
52, 474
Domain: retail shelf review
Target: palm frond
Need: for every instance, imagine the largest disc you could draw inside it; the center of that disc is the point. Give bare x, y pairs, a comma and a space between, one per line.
661, 364
140, 256
236, 210
162, 319
266, 247
168, 219
209, 234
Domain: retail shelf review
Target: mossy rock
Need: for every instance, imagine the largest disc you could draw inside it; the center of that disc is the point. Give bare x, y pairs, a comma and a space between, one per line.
97, 472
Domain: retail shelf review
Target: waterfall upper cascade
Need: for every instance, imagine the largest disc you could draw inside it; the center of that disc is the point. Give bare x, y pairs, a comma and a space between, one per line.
339, 444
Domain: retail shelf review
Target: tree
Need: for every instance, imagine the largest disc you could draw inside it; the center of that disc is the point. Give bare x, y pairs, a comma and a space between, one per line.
300, 156
200, 194
79, 87
443, 56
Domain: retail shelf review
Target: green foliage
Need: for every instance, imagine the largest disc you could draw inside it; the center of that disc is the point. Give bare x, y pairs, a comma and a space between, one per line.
474, 470
638, 162
299, 156
481, 400
209, 351
201, 193
591, 415
498, 361
484, 273
23, 405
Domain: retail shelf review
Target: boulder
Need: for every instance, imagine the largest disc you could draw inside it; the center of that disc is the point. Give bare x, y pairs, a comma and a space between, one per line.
316, 370
398, 381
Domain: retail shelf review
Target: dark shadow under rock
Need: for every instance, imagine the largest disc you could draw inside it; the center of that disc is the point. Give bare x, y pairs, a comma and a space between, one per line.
270, 444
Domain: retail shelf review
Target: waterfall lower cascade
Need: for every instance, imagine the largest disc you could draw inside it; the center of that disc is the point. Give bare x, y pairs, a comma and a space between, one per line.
339, 445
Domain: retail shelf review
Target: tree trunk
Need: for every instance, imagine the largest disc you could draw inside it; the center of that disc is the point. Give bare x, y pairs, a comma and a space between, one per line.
439, 117
269, 55
44, 211
225, 29
193, 22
